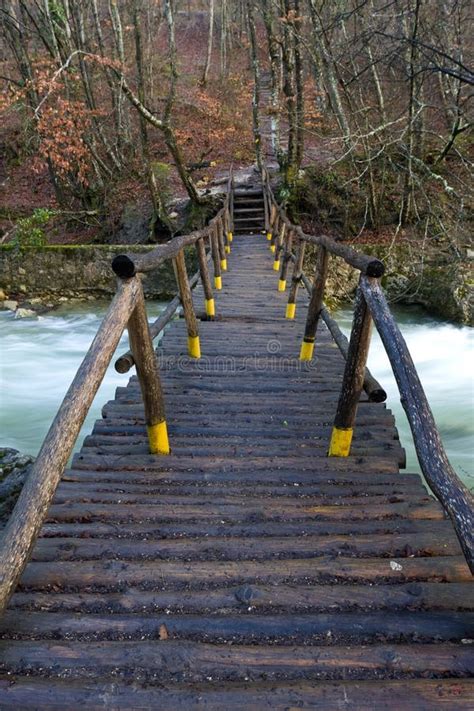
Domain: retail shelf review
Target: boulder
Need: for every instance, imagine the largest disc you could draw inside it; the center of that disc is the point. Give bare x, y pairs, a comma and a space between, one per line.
25, 313
10, 304
14, 468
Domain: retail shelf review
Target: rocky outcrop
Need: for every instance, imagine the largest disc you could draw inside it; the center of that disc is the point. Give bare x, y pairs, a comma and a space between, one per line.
77, 271
14, 468
439, 282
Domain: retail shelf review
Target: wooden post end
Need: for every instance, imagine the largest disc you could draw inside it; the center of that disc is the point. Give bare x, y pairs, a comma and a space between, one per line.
340, 445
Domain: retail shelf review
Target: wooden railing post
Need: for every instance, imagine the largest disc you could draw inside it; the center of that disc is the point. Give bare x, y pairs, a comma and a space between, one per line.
230, 213
272, 217
146, 364
266, 203
275, 233
220, 241
205, 278
315, 304
279, 241
295, 280
353, 380
288, 242
216, 258
226, 230
194, 348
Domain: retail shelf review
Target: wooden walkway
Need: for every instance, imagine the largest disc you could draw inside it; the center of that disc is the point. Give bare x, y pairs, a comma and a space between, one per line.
246, 570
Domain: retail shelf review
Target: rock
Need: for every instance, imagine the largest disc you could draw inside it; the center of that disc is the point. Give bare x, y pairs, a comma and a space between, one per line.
25, 313
3, 296
134, 226
14, 468
23, 288
10, 304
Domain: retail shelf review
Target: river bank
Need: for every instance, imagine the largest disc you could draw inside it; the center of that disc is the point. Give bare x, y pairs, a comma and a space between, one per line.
39, 279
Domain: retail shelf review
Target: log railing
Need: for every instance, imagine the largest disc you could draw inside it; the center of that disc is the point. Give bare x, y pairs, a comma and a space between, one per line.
127, 310
288, 241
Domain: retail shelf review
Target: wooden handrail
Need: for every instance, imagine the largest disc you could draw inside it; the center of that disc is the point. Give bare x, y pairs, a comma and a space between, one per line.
32, 506
125, 362
364, 263
126, 266
437, 470
372, 305
372, 387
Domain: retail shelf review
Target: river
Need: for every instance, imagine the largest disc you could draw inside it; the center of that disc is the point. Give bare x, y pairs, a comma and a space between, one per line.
39, 358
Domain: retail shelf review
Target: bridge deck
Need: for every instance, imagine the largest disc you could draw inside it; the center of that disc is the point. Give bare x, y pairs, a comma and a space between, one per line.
245, 570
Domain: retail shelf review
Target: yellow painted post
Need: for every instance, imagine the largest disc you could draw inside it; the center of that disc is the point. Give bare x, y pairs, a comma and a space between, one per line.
205, 278
307, 349
179, 264
194, 347
341, 439
158, 438
210, 308
216, 259
286, 258
278, 239
295, 279
315, 305
148, 374
353, 379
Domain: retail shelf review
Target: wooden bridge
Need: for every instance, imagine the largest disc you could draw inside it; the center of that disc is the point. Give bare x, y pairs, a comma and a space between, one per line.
203, 550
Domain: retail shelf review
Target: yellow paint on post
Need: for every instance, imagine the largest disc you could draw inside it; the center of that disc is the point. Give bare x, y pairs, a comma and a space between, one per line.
224, 265
218, 283
194, 347
269, 236
210, 307
272, 248
290, 310
281, 284
230, 236
158, 438
227, 249
306, 352
276, 265
340, 445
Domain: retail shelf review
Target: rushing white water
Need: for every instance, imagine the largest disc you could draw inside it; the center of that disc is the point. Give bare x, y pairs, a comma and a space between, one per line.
40, 357
38, 360
443, 356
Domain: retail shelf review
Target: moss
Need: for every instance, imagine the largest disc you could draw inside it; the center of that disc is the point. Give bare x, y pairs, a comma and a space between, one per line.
195, 217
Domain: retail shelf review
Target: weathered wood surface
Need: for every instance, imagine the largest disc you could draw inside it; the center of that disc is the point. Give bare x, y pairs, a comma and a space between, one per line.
246, 569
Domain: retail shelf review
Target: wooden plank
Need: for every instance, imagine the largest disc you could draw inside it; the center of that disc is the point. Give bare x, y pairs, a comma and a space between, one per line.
150, 530
168, 661
212, 548
277, 598
77, 511
419, 694
117, 573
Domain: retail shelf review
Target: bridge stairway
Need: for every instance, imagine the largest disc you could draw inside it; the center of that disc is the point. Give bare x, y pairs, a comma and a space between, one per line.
246, 569
249, 209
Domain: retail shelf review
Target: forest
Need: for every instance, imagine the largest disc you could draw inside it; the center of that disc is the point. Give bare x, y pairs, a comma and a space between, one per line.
368, 105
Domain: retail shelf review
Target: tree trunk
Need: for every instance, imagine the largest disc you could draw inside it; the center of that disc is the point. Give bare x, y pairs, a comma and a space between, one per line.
209, 44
